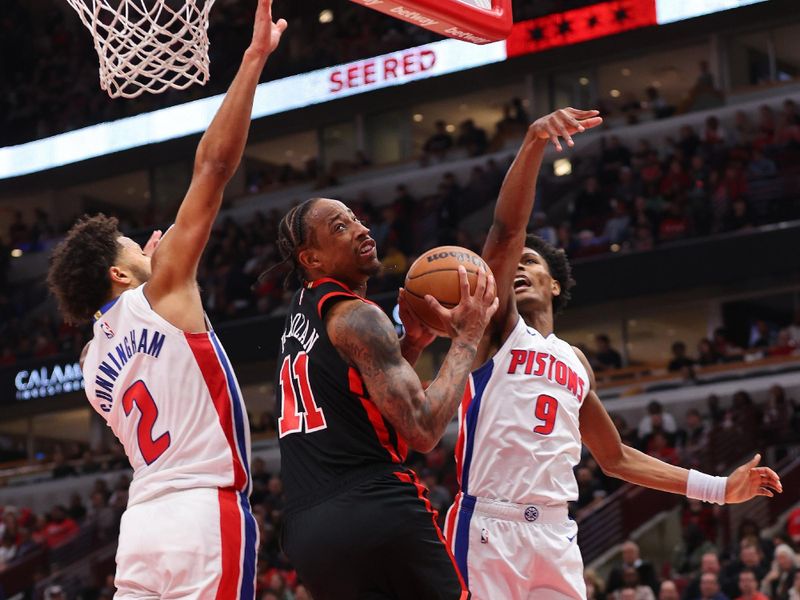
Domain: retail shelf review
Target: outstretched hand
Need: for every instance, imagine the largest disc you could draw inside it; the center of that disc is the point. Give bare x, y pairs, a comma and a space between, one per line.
152, 243
565, 123
750, 480
266, 33
468, 320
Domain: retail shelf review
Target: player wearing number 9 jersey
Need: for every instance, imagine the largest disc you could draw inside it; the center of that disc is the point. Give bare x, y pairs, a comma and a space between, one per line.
156, 372
531, 404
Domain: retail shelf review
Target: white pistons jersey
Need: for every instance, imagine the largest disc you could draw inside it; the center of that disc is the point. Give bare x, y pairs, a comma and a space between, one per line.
170, 397
519, 436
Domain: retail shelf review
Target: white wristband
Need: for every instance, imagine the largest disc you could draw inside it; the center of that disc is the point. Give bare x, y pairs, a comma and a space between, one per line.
707, 488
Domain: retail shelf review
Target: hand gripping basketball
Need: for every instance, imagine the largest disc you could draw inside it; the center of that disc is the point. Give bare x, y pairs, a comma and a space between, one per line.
469, 318
266, 33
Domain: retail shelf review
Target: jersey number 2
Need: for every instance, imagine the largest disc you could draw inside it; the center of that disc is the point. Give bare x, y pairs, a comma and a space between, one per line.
139, 395
546, 409
292, 420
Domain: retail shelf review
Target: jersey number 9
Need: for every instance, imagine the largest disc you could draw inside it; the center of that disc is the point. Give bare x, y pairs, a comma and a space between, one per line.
546, 409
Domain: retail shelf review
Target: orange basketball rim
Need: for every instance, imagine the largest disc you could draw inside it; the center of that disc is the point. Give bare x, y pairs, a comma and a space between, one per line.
475, 21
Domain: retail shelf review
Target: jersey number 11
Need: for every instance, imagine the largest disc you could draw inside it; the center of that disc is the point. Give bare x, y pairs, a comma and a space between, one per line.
292, 420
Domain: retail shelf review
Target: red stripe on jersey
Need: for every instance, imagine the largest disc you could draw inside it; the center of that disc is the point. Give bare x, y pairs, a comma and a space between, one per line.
375, 417
230, 529
452, 519
217, 385
469, 392
422, 494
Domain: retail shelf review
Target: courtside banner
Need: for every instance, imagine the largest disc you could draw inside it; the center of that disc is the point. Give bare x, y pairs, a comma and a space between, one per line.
397, 68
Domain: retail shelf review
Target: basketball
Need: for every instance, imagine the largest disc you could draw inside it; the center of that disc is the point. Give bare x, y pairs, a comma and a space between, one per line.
436, 273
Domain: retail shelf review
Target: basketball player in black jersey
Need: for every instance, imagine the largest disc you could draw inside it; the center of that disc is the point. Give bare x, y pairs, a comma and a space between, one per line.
358, 522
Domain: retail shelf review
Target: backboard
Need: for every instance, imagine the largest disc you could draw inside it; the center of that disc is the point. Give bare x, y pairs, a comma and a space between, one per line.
476, 21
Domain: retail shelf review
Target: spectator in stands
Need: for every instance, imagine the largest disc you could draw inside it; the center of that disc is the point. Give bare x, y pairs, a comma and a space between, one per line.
76, 511
439, 142
668, 590
748, 586
8, 548
61, 468
301, 593
656, 104
793, 527
680, 362
595, 587
630, 578
794, 327
695, 435
750, 557
784, 344
605, 357
709, 588
472, 138
707, 353
762, 335
724, 347
55, 592
103, 515
59, 528
590, 492
26, 543
688, 554
656, 420
704, 517
709, 564
780, 578
660, 447
631, 559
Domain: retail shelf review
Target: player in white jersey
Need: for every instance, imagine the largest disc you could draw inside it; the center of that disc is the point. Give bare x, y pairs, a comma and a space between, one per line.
156, 372
529, 406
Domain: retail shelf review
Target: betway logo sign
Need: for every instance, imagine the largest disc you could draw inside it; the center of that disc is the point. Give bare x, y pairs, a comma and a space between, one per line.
45, 382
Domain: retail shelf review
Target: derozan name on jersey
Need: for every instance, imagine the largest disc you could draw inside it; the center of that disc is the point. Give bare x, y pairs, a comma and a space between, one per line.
300, 329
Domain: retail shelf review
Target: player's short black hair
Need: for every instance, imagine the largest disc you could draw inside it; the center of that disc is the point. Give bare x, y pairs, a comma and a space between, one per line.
559, 267
78, 275
292, 234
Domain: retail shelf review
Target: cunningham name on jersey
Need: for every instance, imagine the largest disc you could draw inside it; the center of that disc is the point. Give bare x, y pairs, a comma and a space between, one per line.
137, 341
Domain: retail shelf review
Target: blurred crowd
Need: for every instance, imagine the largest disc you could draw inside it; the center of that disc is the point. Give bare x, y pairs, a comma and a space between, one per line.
713, 180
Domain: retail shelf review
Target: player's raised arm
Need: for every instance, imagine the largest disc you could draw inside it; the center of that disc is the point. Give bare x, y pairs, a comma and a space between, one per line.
506, 237
626, 463
216, 160
365, 338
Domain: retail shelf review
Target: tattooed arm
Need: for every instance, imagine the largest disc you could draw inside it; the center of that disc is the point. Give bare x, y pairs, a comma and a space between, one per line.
366, 339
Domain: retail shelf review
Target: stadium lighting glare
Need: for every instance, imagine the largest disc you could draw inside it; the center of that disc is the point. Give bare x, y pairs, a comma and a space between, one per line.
418, 118
16, 252
562, 167
615, 93
583, 81
450, 128
326, 16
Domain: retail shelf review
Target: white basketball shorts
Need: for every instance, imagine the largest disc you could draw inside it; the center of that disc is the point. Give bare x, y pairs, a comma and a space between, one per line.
197, 544
515, 551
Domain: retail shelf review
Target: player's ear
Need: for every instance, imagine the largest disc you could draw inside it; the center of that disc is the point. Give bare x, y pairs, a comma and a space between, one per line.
556, 287
119, 274
308, 259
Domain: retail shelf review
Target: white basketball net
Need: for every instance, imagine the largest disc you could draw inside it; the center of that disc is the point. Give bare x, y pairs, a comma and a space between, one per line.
148, 45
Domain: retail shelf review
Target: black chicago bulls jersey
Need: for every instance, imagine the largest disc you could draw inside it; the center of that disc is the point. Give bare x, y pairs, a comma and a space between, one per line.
331, 434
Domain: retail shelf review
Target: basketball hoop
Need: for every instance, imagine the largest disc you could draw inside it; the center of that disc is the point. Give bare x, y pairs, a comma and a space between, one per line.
475, 21
148, 45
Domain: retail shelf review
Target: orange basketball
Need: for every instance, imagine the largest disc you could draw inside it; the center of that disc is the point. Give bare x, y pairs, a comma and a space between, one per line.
436, 273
